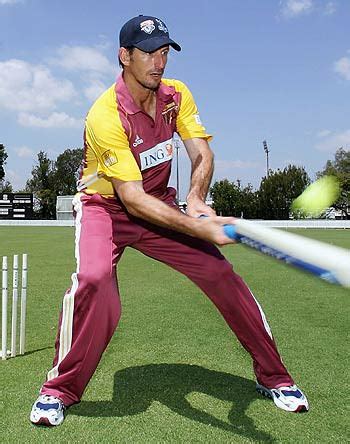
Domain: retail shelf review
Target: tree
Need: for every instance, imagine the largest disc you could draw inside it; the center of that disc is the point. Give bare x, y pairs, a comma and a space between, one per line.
66, 167
5, 186
3, 157
277, 191
53, 178
41, 185
231, 200
340, 168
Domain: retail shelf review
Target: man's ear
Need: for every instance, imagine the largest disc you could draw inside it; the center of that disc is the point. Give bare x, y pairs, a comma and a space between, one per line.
124, 56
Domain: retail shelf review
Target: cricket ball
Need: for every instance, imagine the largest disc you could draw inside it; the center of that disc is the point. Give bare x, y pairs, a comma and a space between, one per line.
317, 197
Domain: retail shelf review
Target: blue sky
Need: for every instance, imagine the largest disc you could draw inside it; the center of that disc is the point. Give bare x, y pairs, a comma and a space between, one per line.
258, 69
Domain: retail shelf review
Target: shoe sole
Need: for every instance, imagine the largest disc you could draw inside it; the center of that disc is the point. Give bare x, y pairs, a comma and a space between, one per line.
43, 422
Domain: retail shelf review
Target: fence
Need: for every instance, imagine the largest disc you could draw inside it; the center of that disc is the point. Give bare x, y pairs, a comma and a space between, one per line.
317, 223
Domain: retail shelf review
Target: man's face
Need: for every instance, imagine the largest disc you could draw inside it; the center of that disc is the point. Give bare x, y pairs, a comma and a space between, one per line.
148, 67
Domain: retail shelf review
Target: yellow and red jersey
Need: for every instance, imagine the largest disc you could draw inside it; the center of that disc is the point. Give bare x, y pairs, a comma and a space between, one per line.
124, 142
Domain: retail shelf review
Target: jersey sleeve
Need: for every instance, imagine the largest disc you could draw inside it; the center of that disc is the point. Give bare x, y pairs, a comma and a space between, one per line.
106, 137
188, 122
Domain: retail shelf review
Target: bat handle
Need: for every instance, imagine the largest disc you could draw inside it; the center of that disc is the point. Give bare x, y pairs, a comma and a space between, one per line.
229, 230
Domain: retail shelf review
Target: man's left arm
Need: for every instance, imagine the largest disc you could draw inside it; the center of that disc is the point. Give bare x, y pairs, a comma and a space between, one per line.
202, 162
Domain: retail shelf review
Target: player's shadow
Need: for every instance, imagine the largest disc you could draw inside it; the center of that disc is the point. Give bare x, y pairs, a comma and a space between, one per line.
135, 388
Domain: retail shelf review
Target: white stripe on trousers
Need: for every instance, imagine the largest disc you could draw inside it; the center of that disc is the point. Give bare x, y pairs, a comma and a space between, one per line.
263, 317
66, 329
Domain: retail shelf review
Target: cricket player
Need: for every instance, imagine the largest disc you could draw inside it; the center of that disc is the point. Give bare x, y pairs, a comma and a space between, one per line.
124, 200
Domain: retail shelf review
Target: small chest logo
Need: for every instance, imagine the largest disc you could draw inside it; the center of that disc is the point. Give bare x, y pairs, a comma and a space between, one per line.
147, 26
163, 152
138, 141
109, 158
170, 112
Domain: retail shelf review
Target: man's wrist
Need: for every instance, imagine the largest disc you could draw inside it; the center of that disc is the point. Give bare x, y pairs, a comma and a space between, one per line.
195, 196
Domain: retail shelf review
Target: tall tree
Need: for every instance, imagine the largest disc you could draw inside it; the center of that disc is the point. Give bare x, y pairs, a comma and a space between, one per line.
340, 167
3, 157
53, 178
277, 191
232, 200
66, 167
5, 186
41, 185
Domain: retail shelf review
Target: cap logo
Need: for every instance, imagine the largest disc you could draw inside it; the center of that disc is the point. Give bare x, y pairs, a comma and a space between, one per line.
161, 26
147, 26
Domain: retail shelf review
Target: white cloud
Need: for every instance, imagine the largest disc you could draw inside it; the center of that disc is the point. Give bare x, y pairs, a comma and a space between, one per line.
15, 178
323, 133
335, 141
294, 8
94, 90
55, 120
24, 152
342, 67
83, 58
330, 8
94, 68
10, 2
27, 87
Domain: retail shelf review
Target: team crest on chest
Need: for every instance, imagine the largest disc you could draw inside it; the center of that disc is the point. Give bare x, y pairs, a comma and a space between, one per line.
147, 26
170, 112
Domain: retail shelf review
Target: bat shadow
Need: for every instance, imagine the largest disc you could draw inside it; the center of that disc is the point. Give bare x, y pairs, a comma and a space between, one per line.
135, 388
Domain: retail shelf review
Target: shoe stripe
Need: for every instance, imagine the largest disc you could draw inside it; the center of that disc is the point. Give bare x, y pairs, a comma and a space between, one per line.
66, 330
43, 406
295, 393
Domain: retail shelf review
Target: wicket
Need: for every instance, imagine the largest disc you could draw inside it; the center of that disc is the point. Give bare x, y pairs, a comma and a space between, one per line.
23, 300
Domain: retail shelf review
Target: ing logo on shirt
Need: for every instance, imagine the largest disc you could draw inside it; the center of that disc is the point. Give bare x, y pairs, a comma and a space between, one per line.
109, 158
160, 153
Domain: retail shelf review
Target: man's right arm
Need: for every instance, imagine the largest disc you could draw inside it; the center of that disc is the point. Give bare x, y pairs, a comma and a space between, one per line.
144, 206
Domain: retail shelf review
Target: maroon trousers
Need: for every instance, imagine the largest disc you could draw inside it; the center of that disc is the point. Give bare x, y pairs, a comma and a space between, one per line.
91, 307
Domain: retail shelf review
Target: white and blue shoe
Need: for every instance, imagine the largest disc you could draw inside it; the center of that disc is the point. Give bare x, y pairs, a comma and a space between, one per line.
47, 410
290, 399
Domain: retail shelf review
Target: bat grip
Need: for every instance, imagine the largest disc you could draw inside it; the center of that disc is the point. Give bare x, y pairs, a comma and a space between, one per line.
229, 230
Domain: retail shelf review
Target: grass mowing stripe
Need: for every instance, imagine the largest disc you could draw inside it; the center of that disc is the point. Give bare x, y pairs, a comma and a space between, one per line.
173, 371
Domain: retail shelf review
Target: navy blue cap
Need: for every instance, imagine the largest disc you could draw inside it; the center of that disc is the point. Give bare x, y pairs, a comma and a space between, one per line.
146, 33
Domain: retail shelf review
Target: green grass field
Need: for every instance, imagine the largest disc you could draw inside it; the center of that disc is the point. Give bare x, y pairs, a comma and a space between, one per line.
173, 371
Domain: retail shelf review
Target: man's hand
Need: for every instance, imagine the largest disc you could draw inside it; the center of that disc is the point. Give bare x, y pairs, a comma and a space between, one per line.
196, 207
212, 229
142, 205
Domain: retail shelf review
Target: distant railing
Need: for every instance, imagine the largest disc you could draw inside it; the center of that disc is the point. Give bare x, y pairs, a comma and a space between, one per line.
317, 223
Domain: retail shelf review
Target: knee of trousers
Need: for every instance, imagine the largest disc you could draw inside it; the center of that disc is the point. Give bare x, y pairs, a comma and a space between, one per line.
96, 281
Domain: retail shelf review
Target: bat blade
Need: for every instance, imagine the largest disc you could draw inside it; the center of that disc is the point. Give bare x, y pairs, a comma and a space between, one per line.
326, 261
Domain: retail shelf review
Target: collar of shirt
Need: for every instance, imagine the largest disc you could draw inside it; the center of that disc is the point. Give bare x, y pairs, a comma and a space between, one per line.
165, 95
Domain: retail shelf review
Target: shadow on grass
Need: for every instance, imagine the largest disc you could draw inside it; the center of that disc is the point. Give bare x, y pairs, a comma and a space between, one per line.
27, 353
135, 388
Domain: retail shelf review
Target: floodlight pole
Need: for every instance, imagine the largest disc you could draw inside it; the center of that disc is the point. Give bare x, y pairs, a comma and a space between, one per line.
266, 149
